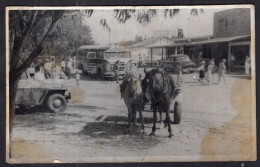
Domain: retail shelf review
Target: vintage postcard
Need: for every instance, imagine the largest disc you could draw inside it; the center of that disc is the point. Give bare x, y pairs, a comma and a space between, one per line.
130, 84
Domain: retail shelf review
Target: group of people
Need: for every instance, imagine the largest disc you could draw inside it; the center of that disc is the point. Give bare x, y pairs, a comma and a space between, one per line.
49, 69
207, 71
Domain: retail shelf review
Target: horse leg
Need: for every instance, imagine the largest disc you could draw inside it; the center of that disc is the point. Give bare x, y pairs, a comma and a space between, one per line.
134, 115
141, 119
129, 120
154, 121
168, 121
161, 122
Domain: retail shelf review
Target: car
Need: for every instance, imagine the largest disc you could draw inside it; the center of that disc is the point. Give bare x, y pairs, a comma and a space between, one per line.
49, 94
170, 65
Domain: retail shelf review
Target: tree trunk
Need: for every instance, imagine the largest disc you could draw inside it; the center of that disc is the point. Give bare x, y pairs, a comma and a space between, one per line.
16, 72
13, 84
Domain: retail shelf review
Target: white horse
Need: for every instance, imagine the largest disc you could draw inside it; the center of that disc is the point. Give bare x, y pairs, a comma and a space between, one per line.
131, 92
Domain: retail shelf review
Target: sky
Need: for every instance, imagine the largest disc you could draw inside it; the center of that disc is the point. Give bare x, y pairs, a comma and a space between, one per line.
199, 25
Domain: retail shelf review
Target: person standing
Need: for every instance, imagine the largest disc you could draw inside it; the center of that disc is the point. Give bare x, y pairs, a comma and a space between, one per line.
179, 74
210, 72
201, 70
247, 65
116, 68
77, 76
222, 71
63, 65
53, 68
38, 74
47, 69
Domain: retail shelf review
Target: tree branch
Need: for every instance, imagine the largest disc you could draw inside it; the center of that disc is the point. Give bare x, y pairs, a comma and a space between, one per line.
19, 43
17, 72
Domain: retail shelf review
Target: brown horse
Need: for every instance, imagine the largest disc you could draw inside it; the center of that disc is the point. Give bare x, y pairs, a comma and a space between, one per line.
159, 88
131, 92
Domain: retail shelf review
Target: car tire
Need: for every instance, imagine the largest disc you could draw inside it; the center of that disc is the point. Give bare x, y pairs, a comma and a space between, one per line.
56, 103
177, 112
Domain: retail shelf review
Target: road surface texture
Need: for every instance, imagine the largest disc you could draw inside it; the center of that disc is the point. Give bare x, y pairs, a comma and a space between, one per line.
217, 124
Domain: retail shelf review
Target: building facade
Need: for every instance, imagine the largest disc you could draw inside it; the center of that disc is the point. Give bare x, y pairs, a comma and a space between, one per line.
232, 22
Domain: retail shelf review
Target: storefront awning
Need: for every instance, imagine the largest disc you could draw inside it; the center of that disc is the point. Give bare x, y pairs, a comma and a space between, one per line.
208, 41
225, 39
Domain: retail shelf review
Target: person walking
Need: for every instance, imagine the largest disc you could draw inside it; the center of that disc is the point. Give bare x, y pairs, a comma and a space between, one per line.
247, 65
222, 71
201, 70
77, 76
47, 69
210, 72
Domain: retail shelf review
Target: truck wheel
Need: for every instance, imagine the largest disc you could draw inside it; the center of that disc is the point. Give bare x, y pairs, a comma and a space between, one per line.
177, 112
56, 103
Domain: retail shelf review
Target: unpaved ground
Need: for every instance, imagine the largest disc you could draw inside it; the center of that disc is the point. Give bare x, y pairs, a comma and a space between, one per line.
94, 126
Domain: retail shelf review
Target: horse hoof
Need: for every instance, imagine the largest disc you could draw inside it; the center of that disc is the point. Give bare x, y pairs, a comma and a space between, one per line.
170, 135
152, 134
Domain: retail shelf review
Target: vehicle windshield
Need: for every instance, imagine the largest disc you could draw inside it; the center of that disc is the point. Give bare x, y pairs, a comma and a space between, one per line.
115, 55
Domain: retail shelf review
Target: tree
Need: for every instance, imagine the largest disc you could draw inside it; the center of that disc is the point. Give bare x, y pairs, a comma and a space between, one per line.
31, 31
71, 34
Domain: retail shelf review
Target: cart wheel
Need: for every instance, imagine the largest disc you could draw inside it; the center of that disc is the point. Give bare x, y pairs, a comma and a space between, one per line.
177, 112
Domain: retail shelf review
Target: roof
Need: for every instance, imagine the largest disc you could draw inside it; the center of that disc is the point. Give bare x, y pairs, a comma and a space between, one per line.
213, 40
148, 41
117, 49
224, 39
95, 47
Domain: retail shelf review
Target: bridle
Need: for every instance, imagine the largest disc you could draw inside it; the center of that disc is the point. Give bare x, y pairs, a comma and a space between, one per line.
151, 92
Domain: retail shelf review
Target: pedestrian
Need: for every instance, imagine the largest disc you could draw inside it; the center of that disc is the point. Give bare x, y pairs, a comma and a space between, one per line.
63, 65
247, 65
179, 74
116, 68
38, 74
67, 71
53, 68
222, 71
47, 69
231, 62
201, 70
210, 72
77, 76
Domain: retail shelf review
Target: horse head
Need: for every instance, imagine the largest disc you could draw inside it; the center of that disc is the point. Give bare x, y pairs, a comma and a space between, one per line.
153, 85
131, 86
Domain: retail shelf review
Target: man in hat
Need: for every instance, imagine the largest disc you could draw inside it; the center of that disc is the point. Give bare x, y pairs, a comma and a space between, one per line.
47, 69
222, 71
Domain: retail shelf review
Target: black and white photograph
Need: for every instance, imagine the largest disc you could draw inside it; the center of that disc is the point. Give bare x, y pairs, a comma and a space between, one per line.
130, 84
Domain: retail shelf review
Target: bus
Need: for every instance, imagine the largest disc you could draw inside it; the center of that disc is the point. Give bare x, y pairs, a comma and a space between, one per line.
100, 60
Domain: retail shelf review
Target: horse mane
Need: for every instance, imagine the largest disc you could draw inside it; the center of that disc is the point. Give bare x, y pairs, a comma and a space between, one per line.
124, 83
167, 79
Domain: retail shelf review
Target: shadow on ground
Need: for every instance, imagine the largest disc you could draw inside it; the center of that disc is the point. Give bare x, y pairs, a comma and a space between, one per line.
86, 107
115, 135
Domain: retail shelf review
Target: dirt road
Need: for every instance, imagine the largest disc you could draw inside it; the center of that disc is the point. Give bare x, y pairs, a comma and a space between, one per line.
95, 121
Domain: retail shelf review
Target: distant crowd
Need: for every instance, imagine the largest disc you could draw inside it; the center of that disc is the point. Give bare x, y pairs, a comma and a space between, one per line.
50, 69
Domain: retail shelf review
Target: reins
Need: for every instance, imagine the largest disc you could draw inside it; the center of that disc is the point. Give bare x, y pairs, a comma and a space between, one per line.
161, 93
